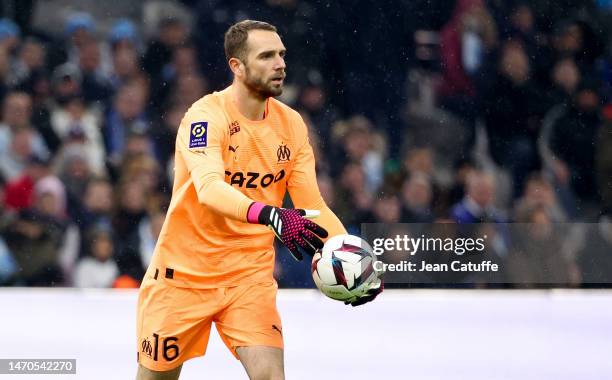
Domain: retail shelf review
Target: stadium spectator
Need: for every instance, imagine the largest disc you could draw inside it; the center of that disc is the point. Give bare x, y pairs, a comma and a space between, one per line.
182, 79
594, 259
124, 35
126, 67
539, 192
34, 239
522, 24
187, 89
353, 199
565, 77
416, 199
141, 167
172, 33
420, 160
50, 195
478, 204
80, 33
38, 85
73, 168
461, 169
73, 121
136, 251
362, 145
30, 60
9, 34
573, 141
386, 208
79, 28
127, 114
184, 63
66, 82
18, 140
512, 140
576, 39
535, 254
95, 83
163, 134
131, 209
313, 102
92, 211
97, 269
95, 207
19, 192
465, 43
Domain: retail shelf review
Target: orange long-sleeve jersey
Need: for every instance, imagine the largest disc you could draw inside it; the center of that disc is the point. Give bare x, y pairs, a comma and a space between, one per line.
223, 162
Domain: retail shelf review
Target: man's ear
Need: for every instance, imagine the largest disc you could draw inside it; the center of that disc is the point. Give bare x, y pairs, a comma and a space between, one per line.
236, 66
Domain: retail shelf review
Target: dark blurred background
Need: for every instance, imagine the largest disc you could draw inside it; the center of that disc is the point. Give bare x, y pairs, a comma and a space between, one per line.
461, 111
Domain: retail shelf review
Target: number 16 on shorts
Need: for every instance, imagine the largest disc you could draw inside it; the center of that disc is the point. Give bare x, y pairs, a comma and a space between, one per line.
155, 346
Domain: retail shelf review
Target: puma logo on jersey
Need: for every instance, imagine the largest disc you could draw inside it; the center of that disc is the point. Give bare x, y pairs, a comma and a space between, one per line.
252, 180
274, 327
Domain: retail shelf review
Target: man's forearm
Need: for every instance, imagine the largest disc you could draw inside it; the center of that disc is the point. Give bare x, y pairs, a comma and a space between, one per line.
222, 198
330, 222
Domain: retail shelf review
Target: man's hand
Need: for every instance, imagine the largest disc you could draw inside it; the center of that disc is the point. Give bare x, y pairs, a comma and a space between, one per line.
376, 288
291, 227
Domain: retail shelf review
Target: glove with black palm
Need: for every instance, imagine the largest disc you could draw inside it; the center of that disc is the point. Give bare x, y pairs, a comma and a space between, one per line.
376, 288
291, 227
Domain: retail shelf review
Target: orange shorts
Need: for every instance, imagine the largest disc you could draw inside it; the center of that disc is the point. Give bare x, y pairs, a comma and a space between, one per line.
173, 324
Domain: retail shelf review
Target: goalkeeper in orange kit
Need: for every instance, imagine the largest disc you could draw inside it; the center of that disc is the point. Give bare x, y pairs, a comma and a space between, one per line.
237, 152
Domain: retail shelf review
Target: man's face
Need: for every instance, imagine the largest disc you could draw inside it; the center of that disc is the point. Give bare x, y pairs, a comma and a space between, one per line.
482, 189
265, 64
17, 110
99, 197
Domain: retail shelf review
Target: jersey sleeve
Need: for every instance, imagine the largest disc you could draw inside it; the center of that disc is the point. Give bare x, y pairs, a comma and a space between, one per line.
200, 140
304, 189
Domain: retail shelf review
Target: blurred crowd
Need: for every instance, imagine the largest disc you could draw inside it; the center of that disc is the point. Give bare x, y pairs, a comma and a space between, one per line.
463, 111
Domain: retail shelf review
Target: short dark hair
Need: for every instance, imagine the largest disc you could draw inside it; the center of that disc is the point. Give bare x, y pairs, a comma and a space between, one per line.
235, 43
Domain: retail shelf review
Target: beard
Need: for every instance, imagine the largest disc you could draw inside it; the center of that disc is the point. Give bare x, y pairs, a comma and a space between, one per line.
261, 88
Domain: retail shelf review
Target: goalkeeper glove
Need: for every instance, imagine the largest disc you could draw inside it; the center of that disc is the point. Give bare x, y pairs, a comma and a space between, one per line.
372, 293
290, 226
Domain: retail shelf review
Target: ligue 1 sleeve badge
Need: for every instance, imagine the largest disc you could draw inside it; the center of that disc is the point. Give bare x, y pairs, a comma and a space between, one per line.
197, 135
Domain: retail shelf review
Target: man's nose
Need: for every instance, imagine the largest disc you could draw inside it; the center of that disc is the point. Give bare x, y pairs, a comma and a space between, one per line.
280, 63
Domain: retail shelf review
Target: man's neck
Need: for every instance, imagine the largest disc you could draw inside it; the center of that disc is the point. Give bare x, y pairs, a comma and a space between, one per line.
249, 105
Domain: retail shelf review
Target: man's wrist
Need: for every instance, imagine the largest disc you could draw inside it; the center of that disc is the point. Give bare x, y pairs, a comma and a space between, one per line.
256, 212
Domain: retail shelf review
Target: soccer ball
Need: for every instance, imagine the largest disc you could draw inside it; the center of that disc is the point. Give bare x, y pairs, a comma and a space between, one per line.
344, 269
